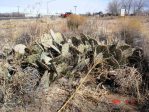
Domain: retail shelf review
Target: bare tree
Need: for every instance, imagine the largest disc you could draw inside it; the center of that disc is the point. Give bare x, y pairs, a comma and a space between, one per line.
138, 6
114, 7
127, 5
131, 6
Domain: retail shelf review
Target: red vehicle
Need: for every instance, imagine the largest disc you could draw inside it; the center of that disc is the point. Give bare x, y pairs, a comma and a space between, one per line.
66, 14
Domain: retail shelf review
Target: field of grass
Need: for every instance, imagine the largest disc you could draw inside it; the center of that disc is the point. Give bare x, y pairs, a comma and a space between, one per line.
110, 74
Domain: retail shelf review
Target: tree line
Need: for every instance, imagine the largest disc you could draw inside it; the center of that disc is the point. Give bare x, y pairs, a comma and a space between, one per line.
130, 6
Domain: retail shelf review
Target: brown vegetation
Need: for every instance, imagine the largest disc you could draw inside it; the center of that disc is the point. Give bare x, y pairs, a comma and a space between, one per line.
74, 21
121, 74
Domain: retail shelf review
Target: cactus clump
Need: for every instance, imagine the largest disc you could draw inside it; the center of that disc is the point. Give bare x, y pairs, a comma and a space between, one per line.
57, 54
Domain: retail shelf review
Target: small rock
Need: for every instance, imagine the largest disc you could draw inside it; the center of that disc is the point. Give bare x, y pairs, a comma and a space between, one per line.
20, 48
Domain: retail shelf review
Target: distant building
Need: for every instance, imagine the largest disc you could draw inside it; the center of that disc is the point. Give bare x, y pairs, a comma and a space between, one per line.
30, 15
13, 14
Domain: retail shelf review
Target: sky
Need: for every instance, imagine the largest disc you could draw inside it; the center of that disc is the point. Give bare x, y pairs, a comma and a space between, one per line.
54, 6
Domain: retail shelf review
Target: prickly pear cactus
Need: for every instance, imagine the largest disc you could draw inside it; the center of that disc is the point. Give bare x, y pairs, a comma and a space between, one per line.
65, 50
32, 58
57, 37
58, 55
46, 40
36, 49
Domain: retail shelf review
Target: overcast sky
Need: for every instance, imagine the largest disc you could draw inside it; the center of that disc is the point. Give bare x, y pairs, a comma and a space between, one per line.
55, 6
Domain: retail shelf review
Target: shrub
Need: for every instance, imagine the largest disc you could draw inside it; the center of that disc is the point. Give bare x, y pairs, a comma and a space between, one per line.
130, 29
74, 21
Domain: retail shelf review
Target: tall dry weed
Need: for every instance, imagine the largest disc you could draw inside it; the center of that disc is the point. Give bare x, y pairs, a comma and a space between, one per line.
130, 29
32, 31
74, 21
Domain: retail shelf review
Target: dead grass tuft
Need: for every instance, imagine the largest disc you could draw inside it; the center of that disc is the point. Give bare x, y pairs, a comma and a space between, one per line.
130, 29
74, 21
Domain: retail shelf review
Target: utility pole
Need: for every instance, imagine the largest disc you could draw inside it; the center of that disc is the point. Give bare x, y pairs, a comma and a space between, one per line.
48, 5
38, 4
75, 7
18, 9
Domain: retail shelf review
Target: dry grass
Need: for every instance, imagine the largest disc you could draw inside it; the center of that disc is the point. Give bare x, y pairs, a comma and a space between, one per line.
74, 21
130, 29
88, 94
